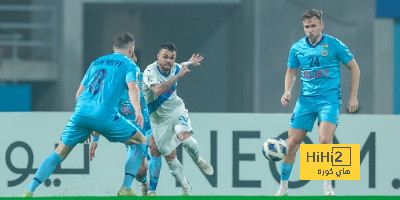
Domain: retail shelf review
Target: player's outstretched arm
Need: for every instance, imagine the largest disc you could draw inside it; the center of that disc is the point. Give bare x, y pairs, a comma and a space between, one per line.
290, 79
162, 88
352, 104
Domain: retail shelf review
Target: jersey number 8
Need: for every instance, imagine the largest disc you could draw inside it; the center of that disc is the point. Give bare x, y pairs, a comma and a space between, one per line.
97, 84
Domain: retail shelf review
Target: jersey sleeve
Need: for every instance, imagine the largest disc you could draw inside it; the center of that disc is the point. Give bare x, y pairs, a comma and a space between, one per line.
178, 68
86, 78
343, 53
133, 73
293, 62
150, 77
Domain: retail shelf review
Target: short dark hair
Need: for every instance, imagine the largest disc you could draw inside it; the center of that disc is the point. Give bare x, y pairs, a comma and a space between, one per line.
123, 40
313, 13
169, 46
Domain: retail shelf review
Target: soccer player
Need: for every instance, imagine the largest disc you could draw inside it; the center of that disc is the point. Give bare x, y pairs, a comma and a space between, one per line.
136, 164
96, 106
319, 56
169, 118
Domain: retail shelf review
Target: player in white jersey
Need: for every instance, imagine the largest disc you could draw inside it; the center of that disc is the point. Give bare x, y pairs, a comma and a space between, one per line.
168, 116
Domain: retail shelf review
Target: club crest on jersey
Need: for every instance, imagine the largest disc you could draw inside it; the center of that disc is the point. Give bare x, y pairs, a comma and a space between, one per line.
126, 110
324, 52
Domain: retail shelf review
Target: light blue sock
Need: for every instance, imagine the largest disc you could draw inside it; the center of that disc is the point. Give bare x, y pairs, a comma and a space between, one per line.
154, 169
132, 163
286, 169
45, 170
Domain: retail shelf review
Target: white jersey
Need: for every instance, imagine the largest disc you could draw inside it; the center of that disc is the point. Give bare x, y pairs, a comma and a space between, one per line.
166, 105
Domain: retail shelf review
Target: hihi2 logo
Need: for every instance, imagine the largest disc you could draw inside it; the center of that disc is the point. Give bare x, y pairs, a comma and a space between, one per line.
330, 162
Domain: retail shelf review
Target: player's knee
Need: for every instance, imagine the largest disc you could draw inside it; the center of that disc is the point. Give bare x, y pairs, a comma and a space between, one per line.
292, 145
325, 140
170, 157
183, 135
63, 150
137, 138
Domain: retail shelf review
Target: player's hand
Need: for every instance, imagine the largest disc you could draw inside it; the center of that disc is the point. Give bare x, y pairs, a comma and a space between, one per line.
139, 118
352, 104
93, 147
285, 99
183, 71
196, 59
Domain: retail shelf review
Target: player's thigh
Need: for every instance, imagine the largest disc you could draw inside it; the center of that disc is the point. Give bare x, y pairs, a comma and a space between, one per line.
303, 116
117, 130
76, 131
329, 112
165, 137
328, 119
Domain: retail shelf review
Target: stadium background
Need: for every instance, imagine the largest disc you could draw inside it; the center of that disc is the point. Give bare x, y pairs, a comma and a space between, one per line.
46, 46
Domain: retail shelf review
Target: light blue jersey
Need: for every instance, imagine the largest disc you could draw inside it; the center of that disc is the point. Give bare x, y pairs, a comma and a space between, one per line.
127, 110
97, 107
320, 67
104, 83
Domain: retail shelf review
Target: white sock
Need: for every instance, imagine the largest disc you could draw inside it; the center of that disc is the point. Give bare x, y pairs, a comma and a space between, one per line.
285, 183
176, 170
192, 147
327, 183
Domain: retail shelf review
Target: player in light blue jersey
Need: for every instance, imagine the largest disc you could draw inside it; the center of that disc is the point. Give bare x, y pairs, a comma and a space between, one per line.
96, 107
318, 56
137, 163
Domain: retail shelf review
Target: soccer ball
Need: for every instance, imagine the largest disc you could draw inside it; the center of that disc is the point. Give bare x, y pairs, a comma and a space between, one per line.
274, 149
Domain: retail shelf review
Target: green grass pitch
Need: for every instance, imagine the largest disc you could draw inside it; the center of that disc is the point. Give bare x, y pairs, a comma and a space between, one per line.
217, 198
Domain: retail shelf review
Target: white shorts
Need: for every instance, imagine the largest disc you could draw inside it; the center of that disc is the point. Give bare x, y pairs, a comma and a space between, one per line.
166, 132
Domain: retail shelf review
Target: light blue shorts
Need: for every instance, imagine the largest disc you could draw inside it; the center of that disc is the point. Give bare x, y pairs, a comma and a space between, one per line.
80, 127
305, 113
128, 112
146, 130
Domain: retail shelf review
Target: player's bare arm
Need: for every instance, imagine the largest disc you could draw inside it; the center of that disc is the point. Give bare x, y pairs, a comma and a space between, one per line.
162, 88
134, 97
290, 79
352, 104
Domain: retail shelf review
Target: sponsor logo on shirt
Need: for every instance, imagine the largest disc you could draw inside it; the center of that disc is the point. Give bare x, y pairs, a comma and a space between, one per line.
316, 73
